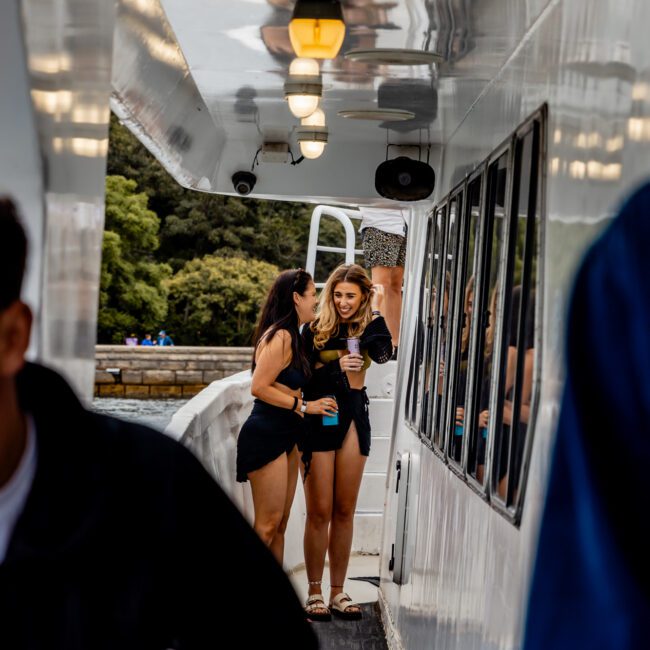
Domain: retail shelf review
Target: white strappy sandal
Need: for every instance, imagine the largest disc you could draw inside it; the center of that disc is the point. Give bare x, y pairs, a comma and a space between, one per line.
314, 603
340, 605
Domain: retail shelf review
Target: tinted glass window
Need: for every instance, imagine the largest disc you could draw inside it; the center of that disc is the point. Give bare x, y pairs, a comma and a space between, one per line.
446, 319
414, 394
518, 354
459, 379
488, 284
430, 389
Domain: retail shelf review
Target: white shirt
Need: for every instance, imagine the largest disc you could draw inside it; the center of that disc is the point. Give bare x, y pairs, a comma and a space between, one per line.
391, 221
14, 494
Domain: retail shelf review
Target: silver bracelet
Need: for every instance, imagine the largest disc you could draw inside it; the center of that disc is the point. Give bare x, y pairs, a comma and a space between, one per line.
376, 312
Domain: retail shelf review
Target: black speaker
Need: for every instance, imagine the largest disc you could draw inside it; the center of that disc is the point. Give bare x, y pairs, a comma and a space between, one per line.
404, 179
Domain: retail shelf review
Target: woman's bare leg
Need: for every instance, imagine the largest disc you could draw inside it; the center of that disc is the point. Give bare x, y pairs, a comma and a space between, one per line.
319, 491
347, 481
269, 487
391, 278
277, 543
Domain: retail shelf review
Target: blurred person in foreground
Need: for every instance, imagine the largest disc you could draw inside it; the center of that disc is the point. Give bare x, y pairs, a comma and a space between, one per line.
591, 582
111, 534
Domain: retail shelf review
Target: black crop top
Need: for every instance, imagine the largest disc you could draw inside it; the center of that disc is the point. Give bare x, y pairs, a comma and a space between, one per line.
375, 339
291, 378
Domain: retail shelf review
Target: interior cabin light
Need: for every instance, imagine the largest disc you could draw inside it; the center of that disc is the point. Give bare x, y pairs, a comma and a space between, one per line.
317, 28
312, 134
304, 87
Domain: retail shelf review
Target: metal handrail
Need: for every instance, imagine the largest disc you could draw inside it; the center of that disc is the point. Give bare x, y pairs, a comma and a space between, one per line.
313, 247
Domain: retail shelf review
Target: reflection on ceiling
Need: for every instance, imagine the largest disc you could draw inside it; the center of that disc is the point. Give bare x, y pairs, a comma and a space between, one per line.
206, 83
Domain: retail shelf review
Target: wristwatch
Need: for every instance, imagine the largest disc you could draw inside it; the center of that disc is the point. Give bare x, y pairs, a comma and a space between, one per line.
303, 407
376, 312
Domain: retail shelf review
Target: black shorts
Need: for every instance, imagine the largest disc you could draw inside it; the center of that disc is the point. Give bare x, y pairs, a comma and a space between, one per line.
269, 432
353, 406
383, 248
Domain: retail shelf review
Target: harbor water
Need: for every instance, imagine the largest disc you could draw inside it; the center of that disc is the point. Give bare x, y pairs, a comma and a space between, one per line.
156, 413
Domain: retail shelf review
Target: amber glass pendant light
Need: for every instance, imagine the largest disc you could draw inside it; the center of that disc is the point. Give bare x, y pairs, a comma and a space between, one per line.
317, 28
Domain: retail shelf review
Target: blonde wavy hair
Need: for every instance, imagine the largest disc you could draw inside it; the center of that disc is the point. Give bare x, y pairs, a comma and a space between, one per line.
327, 322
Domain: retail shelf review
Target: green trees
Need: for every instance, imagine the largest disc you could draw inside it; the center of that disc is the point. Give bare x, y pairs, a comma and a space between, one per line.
224, 251
133, 297
215, 300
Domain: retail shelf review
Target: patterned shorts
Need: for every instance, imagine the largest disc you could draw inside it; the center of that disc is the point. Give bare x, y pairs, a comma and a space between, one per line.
383, 248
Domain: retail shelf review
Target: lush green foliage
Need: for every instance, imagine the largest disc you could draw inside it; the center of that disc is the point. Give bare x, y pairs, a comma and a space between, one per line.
216, 299
133, 297
145, 242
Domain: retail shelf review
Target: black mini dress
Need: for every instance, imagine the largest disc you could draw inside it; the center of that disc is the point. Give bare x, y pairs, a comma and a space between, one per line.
269, 431
331, 380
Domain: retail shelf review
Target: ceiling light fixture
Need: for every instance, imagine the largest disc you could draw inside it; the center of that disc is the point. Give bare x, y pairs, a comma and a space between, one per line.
312, 134
394, 56
381, 114
304, 87
317, 28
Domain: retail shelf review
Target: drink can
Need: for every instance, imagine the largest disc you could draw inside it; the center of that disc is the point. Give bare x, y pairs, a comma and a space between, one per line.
353, 345
330, 420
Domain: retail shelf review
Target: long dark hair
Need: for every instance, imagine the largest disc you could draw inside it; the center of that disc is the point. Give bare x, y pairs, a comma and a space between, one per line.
279, 313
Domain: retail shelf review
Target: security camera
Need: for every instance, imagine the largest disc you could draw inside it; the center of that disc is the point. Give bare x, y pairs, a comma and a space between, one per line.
244, 182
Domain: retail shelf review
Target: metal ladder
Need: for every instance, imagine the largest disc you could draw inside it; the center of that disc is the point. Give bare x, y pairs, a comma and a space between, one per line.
313, 248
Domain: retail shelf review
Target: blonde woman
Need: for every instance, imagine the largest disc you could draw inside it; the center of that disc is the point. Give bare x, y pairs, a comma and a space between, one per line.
350, 306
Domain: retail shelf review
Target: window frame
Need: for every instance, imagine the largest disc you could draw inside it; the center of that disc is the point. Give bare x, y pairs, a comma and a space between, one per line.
433, 327
463, 261
510, 509
414, 385
421, 422
483, 293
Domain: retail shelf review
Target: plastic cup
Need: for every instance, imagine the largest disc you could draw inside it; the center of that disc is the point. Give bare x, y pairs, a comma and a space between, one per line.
353, 345
330, 420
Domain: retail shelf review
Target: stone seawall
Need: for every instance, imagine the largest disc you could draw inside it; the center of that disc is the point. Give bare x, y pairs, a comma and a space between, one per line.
123, 371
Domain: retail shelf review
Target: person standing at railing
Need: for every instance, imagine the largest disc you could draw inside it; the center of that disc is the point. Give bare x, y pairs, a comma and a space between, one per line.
383, 235
267, 455
113, 535
349, 318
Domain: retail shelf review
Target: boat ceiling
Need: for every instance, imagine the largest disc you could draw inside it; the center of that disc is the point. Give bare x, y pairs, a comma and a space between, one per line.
201, 84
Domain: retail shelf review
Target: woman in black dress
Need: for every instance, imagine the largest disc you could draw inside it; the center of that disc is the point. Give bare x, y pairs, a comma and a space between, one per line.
266, 447
350, 306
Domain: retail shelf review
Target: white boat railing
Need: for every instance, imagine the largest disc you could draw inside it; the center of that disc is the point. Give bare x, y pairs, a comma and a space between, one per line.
210, 423
345, 217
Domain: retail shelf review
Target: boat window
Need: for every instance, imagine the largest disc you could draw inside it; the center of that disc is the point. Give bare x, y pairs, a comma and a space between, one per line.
486, 321
476, 359
457, 423
441, 367
414, 395
434, 311
515, 379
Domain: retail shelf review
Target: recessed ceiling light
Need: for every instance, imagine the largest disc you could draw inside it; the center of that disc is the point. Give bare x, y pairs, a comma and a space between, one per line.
394, 56
381, 114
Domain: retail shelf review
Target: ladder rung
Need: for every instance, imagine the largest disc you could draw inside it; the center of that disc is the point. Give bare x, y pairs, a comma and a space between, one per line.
336, 249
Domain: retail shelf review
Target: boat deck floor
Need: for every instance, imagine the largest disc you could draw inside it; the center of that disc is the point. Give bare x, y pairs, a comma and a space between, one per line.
337, 634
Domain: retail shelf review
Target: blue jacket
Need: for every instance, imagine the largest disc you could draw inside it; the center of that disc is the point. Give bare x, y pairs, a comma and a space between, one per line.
591, 582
